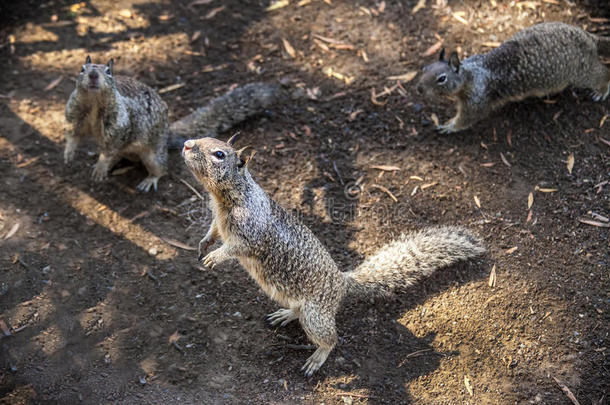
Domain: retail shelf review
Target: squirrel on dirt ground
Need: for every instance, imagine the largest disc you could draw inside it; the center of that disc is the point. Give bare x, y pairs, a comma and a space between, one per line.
128, 119
537, 61
287, 260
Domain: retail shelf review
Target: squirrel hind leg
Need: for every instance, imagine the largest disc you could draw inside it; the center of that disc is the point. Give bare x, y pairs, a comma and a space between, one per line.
319, 325
156, 165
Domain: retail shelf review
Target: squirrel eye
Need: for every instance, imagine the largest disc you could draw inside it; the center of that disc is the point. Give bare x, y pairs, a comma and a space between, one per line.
219, 154
441, 79
107, 70
82, 69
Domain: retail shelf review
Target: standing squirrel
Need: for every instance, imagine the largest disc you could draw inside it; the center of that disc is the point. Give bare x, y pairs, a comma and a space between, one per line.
287, 260
126, 118
537, 61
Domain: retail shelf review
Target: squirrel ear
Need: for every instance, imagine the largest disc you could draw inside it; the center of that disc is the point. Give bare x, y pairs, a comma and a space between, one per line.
110, 65
232, 139
454, 62
441, 57
88, 60
243, 161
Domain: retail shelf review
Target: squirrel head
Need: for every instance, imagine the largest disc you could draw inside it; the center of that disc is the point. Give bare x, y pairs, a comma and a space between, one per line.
443, 78
217, 165
95, 78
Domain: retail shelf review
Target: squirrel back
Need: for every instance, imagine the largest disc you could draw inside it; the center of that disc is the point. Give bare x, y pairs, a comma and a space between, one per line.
289, 262
540, 60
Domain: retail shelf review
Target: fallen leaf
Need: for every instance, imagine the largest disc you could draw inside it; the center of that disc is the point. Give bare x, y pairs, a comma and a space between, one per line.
277, 5
491, 44
174, 337
53, 84
492, 277
594, 223
213, 12
385, 190
488, 164
126, 13
504, 160
477, 201
416, 178
177, 244
511, 250
13, 231
406, 77
468, 386
385, 168
171, 88
434, 119
570, 164
458, 16
289, 49
199, 3
530, 200
547, 190
355, 114
420, 4
433, 49
604, 118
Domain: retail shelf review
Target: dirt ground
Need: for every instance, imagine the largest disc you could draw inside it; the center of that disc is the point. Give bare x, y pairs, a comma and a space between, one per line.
101, 303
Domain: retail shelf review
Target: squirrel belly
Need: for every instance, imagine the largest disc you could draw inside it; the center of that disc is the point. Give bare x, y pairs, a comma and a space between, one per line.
290, 263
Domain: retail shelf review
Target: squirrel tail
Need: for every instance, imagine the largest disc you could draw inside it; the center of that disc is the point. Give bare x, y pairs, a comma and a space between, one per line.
225, 111
603, 45
413, 256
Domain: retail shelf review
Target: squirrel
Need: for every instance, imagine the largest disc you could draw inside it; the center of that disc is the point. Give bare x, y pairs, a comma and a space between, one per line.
288, 261
537, 61
127, 118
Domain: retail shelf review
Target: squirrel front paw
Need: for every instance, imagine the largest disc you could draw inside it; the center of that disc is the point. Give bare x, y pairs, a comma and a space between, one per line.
100, 172
214, 257
204, 244
69, 154
447, 128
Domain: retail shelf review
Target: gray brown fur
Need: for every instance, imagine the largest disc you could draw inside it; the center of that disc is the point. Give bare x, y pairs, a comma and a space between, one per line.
537, 61
287, 260
225, 111
126, 118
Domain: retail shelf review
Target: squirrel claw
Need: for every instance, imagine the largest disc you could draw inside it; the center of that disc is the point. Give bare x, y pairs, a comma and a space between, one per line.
200, 257
147, 183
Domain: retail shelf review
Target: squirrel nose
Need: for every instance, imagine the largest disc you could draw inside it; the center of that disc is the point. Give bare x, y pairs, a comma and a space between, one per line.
188, 145
93, 75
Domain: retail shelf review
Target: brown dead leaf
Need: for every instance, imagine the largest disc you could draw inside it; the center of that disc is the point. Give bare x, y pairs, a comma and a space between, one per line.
386, 168
126, 13
177, 244
385, 190
509, 137
277, 5
75, 7
405, 78
593, 223
570, 164
355, 114
435, 119
504, 160
492, 277
511, 250
53, 84
530, 200
477, 201
13, 231
603, 120
420, 4
546, 190
468, 386
458, 15
433, 49
174, 338
171, 88
199, 3
416, 178
213, 12
488, 164
288, 48
491, 44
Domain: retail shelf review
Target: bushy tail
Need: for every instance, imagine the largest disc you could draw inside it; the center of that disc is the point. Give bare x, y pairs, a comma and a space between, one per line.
603, 46
402, 262
223, 112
